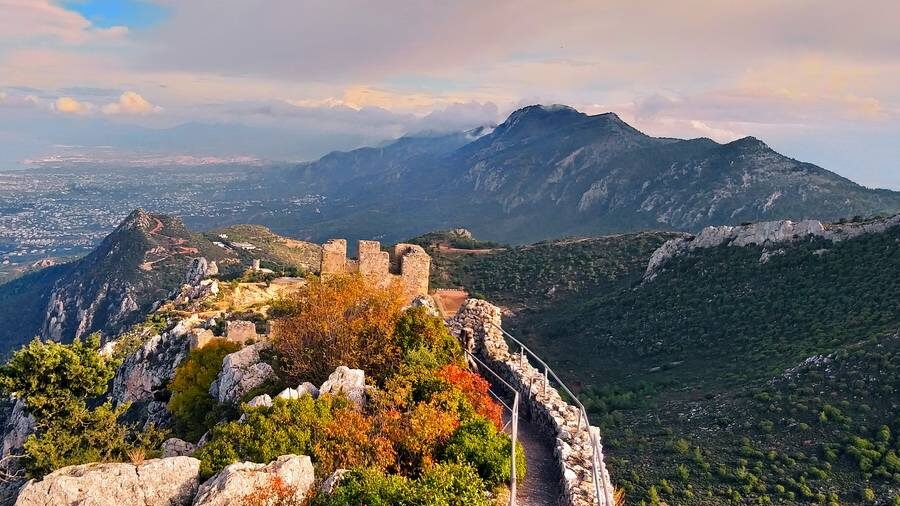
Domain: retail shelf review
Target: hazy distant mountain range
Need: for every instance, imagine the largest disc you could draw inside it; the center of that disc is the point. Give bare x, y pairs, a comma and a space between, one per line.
551, 171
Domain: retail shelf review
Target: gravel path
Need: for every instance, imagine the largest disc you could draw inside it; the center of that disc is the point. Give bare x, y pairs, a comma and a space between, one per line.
541, 486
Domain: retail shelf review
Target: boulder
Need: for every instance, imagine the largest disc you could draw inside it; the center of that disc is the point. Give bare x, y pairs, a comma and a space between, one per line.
158, 482
174, 447
301, 390
308, 388
236, 482
350, 382
260, 401
242, 371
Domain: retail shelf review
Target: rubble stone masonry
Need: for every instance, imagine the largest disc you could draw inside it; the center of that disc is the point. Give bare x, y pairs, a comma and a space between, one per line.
477, 324
409, 264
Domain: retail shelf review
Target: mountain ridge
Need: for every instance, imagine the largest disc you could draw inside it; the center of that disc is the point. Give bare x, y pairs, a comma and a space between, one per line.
552, 171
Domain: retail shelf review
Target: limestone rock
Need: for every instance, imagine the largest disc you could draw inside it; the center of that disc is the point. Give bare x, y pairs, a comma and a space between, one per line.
146, 372
766, 233
241, 372
300, 391
174, 447
350, 382
308, 388
158, 482
240, 331
332, 482
19, 425
237, 481
428, 303
263, 400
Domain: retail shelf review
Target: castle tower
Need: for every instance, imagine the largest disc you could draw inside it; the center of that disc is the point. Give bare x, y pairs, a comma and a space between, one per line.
410, 265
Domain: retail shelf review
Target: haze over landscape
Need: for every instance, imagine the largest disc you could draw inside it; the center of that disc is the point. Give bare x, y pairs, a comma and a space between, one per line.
282, 80
409, 253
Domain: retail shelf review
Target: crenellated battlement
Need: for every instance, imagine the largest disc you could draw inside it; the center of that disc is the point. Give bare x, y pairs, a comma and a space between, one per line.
409, 264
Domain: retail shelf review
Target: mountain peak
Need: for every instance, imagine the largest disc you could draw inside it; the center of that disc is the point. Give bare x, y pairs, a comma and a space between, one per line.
748, 143
540, 112
137, 219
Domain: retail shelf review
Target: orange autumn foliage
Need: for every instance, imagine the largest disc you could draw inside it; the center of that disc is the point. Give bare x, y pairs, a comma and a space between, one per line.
476, 391
276, 493
340, 321
350, 440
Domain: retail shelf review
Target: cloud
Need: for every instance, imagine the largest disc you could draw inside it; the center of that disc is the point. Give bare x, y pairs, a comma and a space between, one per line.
131, 103
30, 20
68, 105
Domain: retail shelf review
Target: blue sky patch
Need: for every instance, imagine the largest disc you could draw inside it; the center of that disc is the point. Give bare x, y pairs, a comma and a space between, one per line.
107, 13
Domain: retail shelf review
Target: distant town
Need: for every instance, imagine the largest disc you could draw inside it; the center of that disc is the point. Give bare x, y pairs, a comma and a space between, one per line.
48, 215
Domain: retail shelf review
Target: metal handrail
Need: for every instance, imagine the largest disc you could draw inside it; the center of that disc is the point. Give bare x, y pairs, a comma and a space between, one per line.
598, 468
514, 417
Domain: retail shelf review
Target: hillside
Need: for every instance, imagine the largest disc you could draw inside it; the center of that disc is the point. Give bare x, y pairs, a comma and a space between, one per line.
733, 375
145, 259
551, 171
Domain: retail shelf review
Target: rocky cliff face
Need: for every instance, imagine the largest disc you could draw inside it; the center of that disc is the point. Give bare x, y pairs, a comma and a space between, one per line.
138, 264
768, 233
143, 261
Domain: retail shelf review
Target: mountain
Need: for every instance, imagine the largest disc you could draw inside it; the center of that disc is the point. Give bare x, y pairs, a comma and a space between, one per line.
756, 364
143, 261
551, 171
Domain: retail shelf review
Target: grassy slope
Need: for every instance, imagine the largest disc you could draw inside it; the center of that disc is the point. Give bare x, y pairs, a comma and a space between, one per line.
686, 373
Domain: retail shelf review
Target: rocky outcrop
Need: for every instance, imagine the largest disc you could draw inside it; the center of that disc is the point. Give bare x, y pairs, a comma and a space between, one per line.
158, 482
350, 382
333, 482
305, 388
478, 324
19, 425
763, 234
238, 481
144, 374
242, 371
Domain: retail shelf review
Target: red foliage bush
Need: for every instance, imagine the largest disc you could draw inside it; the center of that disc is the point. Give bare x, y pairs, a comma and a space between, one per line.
476, 390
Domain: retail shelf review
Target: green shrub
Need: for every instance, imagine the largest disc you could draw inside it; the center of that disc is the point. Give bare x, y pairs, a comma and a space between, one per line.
479, 444
191, 405
441, 485
370, 487
56, 382
416, 330
266, 433
49, 377
449, 485
867, 495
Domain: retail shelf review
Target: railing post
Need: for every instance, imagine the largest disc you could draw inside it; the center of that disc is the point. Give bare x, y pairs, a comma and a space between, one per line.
515, 438
546, 380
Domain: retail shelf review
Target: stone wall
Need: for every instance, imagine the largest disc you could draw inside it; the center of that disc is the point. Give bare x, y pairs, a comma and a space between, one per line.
410, 265
477, 324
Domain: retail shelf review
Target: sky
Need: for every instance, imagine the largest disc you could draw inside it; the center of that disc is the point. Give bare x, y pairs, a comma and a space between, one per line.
818, 80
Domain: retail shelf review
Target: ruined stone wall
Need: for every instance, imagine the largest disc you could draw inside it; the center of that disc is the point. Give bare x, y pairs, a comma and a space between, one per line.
410, 265
477, 324
334, 257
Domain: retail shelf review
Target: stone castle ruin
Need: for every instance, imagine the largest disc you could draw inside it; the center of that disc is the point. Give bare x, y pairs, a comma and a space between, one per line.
407, 263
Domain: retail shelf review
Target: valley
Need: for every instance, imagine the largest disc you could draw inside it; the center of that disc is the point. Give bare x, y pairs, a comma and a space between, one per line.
738, 373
